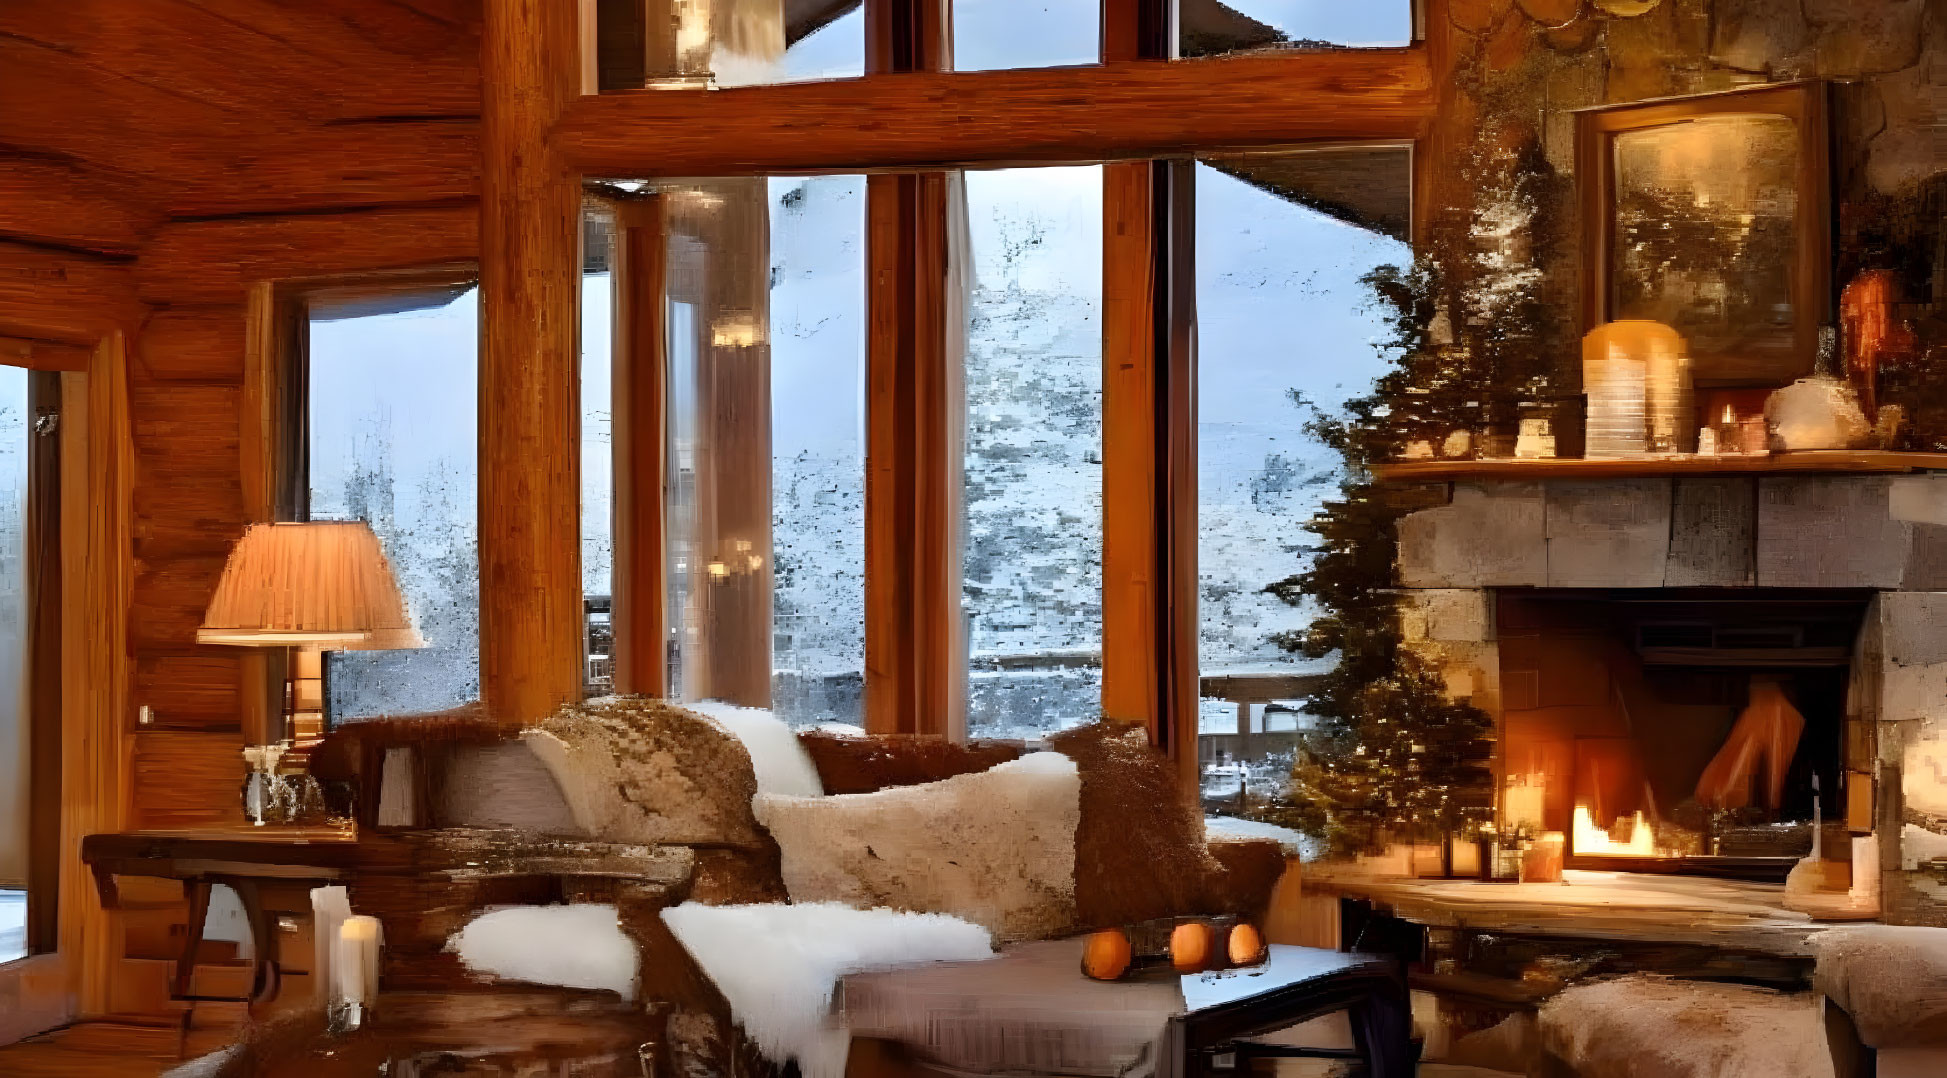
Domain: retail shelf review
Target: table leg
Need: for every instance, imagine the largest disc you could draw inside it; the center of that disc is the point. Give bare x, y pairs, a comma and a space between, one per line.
199, 911
1382, 1027
266, 976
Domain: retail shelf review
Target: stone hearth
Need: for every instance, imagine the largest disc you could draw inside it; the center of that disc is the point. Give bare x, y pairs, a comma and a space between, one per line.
1882, 535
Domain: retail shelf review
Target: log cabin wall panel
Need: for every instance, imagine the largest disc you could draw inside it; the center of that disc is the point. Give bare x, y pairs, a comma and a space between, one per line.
102, 118
191, 690
343, 166
327, 62
188, 485
186, 779
191, 344
212, 262
61, 203
64, 296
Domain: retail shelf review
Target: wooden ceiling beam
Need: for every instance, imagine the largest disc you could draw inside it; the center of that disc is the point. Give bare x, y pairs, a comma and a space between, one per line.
919, 120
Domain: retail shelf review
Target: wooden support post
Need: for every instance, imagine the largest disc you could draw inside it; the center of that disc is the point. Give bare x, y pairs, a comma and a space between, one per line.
1149, 497
638, 264
531, 621
97, 574
915, 635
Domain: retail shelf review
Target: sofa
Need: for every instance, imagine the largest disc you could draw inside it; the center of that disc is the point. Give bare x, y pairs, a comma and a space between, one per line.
735, 810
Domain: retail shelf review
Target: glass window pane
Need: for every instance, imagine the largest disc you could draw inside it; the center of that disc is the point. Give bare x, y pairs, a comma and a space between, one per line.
990, 34
393, 399
1032, 590
818, 448
702, 43
1282, 241
597, 461
766, 510
1209, 27
15, 735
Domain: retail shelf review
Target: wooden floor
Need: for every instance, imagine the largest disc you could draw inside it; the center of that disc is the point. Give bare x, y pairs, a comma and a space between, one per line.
108, 1050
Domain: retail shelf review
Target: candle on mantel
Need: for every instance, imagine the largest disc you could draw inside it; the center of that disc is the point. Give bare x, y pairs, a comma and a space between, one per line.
356, 974
1525, 805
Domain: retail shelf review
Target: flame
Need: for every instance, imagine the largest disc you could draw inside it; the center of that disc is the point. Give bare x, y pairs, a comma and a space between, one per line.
1590, 839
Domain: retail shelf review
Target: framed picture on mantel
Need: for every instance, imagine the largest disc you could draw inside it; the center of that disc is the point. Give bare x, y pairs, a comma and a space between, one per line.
1712, 215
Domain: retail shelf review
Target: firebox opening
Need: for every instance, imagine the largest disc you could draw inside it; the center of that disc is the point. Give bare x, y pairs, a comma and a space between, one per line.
1677, 730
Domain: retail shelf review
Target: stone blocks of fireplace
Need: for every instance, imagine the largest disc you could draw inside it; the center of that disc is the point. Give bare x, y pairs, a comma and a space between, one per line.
1878, 535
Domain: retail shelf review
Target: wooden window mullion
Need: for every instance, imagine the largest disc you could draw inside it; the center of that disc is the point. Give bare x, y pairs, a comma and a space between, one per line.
639, 613
915, 637
1149, 495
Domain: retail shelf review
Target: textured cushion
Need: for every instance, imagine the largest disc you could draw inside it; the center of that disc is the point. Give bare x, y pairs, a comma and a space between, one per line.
1892, 980
639, 770
1139, 851
996, 848
1645, 1026
862, 765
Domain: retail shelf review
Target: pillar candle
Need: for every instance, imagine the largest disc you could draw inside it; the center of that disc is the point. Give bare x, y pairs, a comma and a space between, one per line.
357, 970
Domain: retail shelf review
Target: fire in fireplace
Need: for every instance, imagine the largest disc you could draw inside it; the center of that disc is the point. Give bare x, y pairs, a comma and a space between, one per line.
1676, 730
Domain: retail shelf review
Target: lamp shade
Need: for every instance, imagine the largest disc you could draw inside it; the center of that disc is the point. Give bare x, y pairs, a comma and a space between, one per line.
321, 584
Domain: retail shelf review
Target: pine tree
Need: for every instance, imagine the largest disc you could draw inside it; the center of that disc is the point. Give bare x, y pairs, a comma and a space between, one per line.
1468, 338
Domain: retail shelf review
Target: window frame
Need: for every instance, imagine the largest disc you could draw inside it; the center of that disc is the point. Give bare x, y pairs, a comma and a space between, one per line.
906, 121
275, 440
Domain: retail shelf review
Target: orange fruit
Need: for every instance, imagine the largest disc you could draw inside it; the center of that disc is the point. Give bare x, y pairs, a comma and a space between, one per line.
1246, 946
1105, 954
1190, 946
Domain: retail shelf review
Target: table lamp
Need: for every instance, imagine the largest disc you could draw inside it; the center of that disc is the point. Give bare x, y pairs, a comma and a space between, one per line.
315, 586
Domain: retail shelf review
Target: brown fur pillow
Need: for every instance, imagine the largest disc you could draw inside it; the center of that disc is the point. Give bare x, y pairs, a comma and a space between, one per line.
1139, 851
863, 765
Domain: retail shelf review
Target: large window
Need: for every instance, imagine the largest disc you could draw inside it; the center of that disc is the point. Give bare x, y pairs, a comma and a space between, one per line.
392, 398
989, 34
992, 410
16, 735
1032, 592
1243, 25
1285, 327
30, 605
677, 44
597, 458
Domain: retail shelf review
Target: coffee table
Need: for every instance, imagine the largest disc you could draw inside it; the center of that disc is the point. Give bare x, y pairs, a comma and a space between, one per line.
1030, 1011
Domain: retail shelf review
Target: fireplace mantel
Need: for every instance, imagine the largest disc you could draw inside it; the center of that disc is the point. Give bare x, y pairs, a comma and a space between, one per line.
1813, 462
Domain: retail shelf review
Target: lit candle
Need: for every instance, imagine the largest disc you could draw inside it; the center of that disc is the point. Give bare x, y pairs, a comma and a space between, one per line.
1526, 805
357, 971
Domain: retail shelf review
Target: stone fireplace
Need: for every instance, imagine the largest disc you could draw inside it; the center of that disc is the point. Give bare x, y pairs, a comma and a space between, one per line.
1620, 627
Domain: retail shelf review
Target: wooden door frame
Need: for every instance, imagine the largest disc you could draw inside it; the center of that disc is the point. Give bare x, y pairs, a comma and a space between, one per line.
96, 572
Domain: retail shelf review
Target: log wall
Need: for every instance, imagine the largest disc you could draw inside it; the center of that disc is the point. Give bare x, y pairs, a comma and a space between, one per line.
159, 161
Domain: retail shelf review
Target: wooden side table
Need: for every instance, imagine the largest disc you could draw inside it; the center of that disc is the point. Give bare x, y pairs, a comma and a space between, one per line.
244, 861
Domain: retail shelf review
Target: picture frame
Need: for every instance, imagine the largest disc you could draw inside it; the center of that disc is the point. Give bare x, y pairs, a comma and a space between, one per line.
1712, 213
